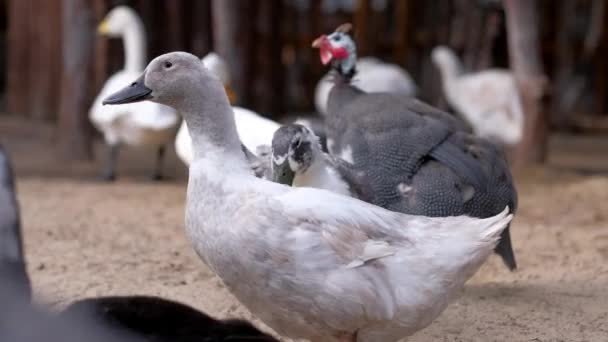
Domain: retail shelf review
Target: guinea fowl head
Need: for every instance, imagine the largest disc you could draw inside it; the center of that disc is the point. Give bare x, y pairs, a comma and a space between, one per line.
338, 48
293, 150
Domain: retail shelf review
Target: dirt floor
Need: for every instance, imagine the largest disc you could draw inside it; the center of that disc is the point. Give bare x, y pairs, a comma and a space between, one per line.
86, 238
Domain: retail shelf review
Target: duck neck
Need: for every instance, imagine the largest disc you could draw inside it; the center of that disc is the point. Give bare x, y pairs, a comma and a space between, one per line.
211, 125
134, 40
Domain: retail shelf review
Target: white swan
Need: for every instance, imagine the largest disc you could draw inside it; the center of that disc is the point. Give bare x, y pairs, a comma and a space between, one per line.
373, 76
254, 130
310, 263
144, 124
489, 100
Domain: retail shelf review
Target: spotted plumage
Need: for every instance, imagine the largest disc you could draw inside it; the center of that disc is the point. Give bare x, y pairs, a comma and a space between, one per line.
399, 144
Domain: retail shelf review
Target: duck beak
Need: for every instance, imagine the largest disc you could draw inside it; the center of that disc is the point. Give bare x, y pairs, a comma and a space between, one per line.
103, 28
282, 173
231, 95
134, 92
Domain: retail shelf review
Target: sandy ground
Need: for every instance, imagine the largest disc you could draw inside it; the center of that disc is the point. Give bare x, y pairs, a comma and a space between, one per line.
86, 238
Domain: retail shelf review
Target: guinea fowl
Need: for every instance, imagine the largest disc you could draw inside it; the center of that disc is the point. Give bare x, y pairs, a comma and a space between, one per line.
409, 156
310, 263
120, 319
373, 76
489, 100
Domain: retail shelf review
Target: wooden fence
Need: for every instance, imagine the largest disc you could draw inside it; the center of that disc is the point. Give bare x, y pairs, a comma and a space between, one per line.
56, 63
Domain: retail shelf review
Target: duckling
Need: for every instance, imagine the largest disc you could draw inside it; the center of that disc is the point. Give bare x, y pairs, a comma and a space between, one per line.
310, 263
144, 125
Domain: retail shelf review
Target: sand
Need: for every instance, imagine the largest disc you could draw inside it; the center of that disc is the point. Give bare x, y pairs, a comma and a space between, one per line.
87, 238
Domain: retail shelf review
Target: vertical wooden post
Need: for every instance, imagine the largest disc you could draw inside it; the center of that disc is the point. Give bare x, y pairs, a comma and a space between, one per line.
100, 67
361, 22
225, 16
18, 61
526, 63
74, 138
44, 55
202, 29
174, 10
401, 37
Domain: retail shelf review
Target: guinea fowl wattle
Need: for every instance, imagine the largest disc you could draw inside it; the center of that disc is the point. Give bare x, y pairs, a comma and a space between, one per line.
409, 156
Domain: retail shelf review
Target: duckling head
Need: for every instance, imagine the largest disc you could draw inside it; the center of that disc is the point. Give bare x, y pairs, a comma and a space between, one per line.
293, 152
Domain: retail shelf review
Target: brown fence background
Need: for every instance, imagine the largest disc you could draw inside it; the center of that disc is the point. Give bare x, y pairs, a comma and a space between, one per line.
53, 63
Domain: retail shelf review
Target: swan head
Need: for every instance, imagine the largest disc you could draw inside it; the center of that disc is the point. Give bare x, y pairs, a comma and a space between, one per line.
443, 57
293, 151
174, 79
338, 48
116, 21
219, 67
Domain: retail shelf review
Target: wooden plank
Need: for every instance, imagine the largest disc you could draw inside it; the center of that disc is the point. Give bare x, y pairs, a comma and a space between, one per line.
226, 20
361, 23
18, 56
45, 38
401, 40
526, 63
74, 133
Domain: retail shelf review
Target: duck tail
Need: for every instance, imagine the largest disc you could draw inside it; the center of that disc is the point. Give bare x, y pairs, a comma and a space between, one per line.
466, 243
505, 249
12, 262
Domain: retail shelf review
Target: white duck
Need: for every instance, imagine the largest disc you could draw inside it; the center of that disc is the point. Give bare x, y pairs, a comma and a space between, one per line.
146, 124
310, 263
253, 129
489, 100
373, 76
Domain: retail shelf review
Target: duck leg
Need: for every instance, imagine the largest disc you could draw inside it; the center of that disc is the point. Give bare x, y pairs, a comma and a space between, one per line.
158, 170
109, 173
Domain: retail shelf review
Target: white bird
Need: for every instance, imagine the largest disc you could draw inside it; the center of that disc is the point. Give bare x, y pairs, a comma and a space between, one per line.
145, 124
310, 263
489, 100
373, 76
254, 130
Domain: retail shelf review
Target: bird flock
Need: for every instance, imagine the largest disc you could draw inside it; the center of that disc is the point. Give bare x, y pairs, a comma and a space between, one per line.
366, 238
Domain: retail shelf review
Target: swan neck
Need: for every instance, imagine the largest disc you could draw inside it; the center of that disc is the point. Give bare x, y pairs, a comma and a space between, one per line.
134, 39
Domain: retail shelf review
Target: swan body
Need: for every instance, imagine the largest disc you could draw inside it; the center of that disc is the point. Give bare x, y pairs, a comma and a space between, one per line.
373, 76
489, 100
148, 125
310, 263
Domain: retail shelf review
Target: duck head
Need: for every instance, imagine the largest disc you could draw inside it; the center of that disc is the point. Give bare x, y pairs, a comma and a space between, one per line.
169, 79
338, 48
293, 151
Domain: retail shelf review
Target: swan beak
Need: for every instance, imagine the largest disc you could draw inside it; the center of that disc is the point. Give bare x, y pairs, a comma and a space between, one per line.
103, 28
230, 93
282, 173
134, 92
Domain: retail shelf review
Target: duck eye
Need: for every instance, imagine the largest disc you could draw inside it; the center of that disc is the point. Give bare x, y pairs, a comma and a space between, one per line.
168, 65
